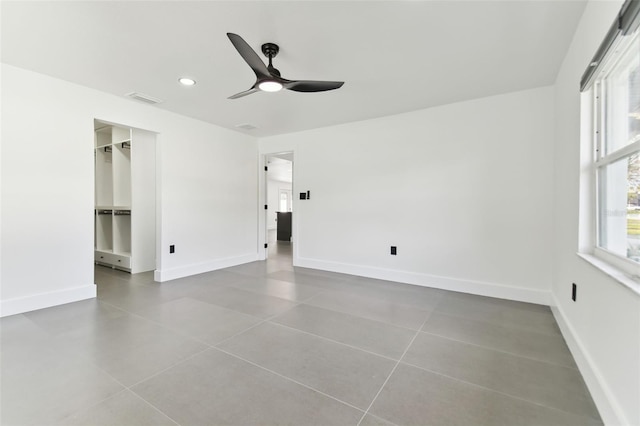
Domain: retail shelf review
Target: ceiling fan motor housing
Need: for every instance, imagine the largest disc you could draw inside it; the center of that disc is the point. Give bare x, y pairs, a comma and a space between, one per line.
270, 50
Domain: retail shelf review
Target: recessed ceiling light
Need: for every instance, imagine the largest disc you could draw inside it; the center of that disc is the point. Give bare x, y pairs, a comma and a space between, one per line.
187, 81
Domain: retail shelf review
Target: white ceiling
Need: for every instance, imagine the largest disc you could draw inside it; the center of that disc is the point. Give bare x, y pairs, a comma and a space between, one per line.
394, 56
280, 169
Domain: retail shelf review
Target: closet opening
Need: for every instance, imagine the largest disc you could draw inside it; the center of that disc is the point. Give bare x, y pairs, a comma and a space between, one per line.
125, 198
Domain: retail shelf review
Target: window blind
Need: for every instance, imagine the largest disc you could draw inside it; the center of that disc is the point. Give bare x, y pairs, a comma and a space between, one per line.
626, 23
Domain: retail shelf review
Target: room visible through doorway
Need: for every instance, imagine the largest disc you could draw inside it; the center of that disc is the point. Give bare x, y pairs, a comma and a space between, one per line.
279, 212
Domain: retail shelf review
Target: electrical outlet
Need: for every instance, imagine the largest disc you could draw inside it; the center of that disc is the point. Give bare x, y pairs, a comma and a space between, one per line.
574, 291
172, 248
394, 250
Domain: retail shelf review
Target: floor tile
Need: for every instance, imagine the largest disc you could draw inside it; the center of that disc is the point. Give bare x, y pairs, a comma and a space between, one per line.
372, 308
477, 361
200, 320
525, 316
307, 278
547, 384
188, 286
380, 338
19, 334
131, 297
140, 278
124, 408
216, 388
407, 294
348, 374
248, 302
41, 387
416, 397
257, 269
541, 346
63, 318
281, 289
130, 348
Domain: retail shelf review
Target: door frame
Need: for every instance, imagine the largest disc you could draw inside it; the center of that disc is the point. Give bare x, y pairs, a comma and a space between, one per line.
263, 253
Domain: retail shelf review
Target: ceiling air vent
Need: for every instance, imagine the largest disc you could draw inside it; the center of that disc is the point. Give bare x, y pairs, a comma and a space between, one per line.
144, 98
246, 126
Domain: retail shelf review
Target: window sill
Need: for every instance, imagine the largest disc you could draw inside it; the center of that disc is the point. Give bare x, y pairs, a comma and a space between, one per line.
626, 280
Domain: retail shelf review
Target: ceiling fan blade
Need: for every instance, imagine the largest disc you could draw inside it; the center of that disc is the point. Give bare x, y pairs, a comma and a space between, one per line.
245, 93
313, 86
249, 55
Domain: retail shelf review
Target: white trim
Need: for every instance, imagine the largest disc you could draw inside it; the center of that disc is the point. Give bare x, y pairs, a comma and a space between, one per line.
620, 154
602, 395
426, 280
34, 302
617, 274
199, 268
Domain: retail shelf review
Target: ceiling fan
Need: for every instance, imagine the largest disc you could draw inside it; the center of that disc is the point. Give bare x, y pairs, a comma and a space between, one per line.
267, 77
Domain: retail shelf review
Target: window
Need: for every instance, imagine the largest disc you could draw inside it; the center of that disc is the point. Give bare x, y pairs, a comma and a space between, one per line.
285, 200
616, 121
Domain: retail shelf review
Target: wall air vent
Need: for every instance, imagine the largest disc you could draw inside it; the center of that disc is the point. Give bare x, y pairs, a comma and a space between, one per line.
144, 98
246, 126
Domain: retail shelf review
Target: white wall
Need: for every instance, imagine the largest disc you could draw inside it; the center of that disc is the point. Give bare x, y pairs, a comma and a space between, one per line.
463, 190
207, 178
602, 327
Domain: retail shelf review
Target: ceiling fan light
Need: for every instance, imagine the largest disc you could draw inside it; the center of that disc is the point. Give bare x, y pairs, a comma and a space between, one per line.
186, 81
270, 86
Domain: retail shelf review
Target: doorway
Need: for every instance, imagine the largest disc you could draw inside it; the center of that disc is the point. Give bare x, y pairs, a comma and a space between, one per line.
125, 229
280, 209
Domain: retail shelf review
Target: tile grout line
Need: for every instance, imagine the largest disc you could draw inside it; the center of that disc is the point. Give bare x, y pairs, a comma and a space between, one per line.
498, 350
124, 389
495, 391
394, 369
255, 325
288, 379
333, 341
499, 324
181, 333
175, 364
154, 407
207, 347
288, 300
428, 312
382, 418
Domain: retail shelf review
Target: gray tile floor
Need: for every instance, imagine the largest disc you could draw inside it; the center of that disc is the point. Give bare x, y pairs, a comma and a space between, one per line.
267, 344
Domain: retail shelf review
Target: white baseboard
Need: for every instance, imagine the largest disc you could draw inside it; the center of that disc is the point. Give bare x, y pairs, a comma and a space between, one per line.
608, 408
162, 275
446, 283
20, 305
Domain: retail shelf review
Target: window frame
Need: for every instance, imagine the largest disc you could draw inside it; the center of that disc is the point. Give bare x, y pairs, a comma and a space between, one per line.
601, 159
